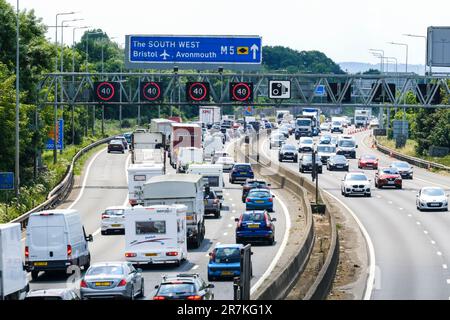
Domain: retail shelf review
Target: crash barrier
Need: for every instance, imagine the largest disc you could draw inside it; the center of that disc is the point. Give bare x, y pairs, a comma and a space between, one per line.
63, 189
411, 160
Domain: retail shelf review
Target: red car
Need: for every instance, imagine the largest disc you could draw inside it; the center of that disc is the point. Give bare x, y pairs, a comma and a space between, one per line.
388, 177
368, 161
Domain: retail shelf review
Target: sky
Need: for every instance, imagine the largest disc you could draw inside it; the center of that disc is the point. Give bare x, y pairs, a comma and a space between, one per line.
344, 30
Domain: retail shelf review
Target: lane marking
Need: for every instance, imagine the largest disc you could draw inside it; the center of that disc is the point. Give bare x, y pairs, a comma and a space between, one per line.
439, 253
280, 250
233, 205
401, 209
444, 266
433, 242
372, 266
426, 232
195, 267
410, 215
230, 226
418, 223
234, 211
225, 234
231, 199
390, 202
448, 281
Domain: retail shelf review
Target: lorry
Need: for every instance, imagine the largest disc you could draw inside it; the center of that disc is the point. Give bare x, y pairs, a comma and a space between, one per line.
183, 135
212, 175
209, 116
188, 156
362, 117
314, 114
180, 189
138, 174
156, 234
163, 126
211, 144
13, 278
303, 127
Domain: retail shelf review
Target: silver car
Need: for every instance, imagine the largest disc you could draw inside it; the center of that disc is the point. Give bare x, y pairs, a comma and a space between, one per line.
112, 280
113, 219
432, 198
226, 162
277, 140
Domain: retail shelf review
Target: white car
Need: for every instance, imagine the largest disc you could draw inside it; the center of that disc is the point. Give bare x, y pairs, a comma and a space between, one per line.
355, 183
325, 151
326, 126
277, 140
113, 219
226, 162
305, 144
432, 198
374, 123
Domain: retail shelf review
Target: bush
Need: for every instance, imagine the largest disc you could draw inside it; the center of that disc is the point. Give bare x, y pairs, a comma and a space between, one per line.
126, 123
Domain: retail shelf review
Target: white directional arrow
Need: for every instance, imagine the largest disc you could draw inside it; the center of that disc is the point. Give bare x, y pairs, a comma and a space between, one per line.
254, 49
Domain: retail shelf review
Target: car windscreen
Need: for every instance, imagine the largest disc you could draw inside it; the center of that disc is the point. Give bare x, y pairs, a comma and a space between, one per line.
109, 270
307, 141
242, 168
258, 194
433, 192
114, 212
289, 147
346, 143
339, 158
389, 171
401, 165
176, 288
368, 157
227, 255
150, 227
326, 149
116, 142
336, 123
254, 216
357, 177
213, 181
303, 123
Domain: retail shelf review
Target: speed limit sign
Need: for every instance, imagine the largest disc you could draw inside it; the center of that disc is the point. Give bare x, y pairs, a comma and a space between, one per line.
151, 91
197, 91
107, 91
241, 91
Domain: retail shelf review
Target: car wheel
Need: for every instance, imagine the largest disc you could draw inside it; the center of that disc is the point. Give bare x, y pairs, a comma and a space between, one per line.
272, 241
296, 160
210, 278
34, 275
399, 187
132, 293
88, 263
217, 215
345, 194
419, 208
280, 159
368, 195
109, 151
142, 291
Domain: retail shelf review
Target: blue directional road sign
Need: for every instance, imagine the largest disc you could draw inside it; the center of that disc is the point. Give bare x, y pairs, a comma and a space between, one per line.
193, 52
320, 90
6, 180
60, 134
248, 111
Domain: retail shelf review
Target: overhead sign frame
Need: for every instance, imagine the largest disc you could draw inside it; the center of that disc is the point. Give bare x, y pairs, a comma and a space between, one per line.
195, 52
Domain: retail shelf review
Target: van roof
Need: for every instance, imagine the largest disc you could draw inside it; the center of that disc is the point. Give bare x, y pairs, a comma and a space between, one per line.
194, 178
183, 125
57, 211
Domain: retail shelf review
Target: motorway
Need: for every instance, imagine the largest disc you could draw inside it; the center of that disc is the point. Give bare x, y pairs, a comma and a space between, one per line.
411, 251
104, 184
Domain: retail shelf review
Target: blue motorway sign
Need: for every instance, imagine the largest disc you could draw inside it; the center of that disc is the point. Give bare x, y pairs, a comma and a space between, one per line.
193, 52
6, 180
320, 90
60, 136
248, 111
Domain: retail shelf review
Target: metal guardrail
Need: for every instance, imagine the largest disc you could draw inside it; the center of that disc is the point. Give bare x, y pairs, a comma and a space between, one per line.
411, 160
63, 189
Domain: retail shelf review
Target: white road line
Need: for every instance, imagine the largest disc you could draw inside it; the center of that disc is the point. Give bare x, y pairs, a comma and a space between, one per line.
372, 266
401, 209
410, 215
280, 250
195, 267
437, 184
234, 211
439, 253
390, 202
426, 232
433, 242
231, 199
230, 226
85, 179
225, 234
444, 266
448, 281
418, 223
233, 205
378, 197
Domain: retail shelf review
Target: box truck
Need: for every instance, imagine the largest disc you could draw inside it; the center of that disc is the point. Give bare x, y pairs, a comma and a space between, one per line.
209, 115
13, 278
183, 135
180, 189
156, 234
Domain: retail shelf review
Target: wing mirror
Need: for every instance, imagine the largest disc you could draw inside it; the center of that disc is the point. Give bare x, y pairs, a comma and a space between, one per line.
273, 196
157, 286
274, 219
90, 238
210, 286
236, 219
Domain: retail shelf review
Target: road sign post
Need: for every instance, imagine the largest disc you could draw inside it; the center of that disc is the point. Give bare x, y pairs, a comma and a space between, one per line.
193, 52
6, 180
59, 134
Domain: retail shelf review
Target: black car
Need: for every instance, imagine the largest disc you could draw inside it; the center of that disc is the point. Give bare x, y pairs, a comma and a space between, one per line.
404, 168
116, 145
212, 203
337, 162
305, 163
253, 184
183, 287
288, 152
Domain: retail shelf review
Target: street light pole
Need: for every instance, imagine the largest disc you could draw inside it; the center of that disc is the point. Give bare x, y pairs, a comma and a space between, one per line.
418, 36
17, 155
382, 63
406, 45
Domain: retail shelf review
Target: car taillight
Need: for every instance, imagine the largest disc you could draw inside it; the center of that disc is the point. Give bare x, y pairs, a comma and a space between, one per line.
159, 298
132, 202
130, 254
247, 200
194, 298
171, 254
212, 255
69, 250
270, 199
27, 252
83, 284
122, 283
105, 216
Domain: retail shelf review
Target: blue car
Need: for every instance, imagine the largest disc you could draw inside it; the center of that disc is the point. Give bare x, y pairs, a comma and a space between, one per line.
259, 199
225, 262
241, 172
128, 137
255, 226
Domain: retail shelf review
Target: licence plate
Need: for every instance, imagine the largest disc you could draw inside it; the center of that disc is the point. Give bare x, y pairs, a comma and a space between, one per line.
151, 254
116, 225
391, 182
339, 167
205, 202
242, 173
253, 226
102, 284
259, 201
434, 205
227, 273
40, 264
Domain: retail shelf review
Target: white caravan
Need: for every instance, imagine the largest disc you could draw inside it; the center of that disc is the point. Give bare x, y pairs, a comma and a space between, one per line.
138, 174
212, 175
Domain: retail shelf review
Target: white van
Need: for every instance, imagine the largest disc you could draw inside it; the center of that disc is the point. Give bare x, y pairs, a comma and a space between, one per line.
211, 145
55, 240
212, 175
138, 174
156, 234
187, 156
